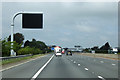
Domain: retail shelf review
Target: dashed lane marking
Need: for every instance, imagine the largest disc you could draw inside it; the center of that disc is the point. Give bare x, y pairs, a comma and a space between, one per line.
113, 64
93, 72
86, 69
74, 62
78, 64
101, 61
101, 77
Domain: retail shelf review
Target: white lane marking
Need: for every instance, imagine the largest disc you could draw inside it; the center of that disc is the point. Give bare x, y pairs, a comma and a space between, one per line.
101, 77
93, 72
86, 69
41, 69
113, 64
78, 64
101, 61
20, 64
74, 62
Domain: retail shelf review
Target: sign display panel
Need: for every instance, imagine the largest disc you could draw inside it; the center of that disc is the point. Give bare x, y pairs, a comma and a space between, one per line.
32, 21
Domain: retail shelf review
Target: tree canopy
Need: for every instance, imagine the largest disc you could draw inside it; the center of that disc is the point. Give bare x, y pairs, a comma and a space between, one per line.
18, 37
105, 47
35, 44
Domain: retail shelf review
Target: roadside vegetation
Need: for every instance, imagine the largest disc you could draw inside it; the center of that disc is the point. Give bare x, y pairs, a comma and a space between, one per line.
23, 48
105, 49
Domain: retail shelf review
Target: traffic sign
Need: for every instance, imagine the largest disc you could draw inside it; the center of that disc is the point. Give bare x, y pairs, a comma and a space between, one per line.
52, 48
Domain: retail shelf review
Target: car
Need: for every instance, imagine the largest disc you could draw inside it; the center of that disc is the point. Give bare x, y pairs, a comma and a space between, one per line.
63, 51
69, 53
58, 54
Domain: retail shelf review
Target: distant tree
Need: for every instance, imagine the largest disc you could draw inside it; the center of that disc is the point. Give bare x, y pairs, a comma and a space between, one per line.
18, 37
105, 47
95, 48
41, 45
53, 45
36, 44
27, 43
33, 40
86, 50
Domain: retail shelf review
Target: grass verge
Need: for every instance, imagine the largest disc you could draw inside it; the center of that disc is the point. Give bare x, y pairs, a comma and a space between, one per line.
107, 56
3, 62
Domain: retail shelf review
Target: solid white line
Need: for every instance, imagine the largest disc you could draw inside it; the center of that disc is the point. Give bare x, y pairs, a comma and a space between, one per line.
41, 69
19, 64
74, 62
101, 77
86, 69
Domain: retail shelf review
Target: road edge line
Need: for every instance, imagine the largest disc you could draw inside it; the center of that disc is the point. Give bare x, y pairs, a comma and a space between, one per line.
41, 69
20, 64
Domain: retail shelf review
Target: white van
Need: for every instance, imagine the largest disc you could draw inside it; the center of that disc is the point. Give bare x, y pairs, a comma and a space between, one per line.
57, 51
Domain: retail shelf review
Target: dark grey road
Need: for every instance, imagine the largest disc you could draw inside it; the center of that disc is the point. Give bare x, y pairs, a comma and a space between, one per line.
76, 66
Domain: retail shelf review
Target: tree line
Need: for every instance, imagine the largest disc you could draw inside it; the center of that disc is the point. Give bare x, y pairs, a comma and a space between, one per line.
103, 49
29, 47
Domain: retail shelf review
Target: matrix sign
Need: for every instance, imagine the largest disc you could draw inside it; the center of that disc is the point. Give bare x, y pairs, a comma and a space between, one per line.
34, 21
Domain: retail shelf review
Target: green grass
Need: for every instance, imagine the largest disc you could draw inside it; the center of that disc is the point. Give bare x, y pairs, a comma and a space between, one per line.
18, 59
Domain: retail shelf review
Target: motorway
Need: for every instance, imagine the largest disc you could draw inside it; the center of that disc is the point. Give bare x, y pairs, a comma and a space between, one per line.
73, 67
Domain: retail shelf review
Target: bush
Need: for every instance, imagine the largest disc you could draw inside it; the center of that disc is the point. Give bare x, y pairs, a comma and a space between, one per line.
36, 51
6, 47
101, 51
49, 50
23, 51
28, 50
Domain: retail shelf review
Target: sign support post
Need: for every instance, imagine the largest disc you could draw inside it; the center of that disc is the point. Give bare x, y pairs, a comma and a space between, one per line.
12, 26
12, 34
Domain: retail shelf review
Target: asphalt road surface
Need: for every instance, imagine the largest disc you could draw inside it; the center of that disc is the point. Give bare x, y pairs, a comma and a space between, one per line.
73, 67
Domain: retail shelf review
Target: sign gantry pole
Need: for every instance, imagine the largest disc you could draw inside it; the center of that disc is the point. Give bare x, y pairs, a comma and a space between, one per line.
12, 34
31, 20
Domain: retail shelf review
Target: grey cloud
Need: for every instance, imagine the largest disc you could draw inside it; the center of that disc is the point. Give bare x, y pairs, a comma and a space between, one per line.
81, 23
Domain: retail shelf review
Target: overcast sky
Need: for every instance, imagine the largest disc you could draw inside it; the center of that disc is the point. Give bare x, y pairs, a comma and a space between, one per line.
66, 24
